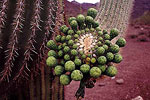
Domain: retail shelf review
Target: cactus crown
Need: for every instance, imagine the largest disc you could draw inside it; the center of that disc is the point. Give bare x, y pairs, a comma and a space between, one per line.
88, 50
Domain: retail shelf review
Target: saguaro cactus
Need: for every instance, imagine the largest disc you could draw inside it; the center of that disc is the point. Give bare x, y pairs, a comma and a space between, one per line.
114, 14
25, 27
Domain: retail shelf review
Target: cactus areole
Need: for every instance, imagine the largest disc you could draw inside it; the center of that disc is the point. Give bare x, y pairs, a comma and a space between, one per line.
83, 52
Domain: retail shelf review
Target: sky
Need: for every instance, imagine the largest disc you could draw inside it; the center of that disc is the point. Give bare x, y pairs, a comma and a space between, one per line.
87, 1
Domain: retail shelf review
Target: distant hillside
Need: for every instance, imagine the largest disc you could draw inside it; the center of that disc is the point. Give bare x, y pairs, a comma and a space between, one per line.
140, 6
74, 8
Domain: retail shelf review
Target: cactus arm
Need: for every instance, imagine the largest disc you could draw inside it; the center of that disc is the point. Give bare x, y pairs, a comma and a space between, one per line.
35, 25
12, 46
49, 24
118, 16
3, 16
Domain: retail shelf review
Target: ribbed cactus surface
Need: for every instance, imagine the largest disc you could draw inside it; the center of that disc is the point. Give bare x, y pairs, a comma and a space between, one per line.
25, 28
114, 14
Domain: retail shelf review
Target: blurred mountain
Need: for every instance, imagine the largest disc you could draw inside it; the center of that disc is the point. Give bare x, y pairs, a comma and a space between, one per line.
74, 8
140, 6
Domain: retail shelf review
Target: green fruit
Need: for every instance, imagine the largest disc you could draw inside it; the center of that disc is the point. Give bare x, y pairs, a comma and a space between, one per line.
81, 52
98, 29
107, 42
111, 71
110, 56
60, 53
65, 79
66, 57
76, 40
58, 38
68, 37
65, 30
121, 42
99, 43
51, 61
89, 55
64, 44
102, 60
71, 19
105, 47
93, 60
95, 72
92, 12
75, 46
77, 62
76, 57
87, 29
93, 49
69, 66
63, 38
70, 32
107, 37
76, 36
52, 45
113, 33
82, 31
100, 50
80, 19
105, 32
83, 56
95, 24
58, 70
70, 42
52, 53
102, 68
85, 68
76, 75
74, 24
59, 47
101, 39
117, 58
62, 27
89, 20
78, 32
74, 52
66, 49
114, 48
94, 33
92, 29
62, 62
100, 33
96, 46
